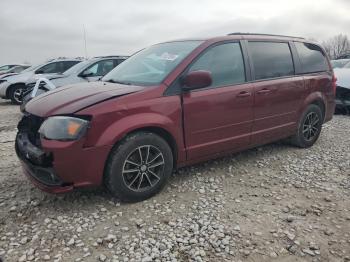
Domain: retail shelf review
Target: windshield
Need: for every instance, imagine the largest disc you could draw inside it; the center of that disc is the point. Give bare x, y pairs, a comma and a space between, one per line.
151, 65
77, 68
32, 68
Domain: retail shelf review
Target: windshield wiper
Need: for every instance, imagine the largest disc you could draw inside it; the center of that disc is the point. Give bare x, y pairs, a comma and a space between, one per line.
118, 82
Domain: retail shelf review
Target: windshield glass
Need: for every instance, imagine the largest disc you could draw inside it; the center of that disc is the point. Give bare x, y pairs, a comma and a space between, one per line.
151, 65
77, 68
32, 68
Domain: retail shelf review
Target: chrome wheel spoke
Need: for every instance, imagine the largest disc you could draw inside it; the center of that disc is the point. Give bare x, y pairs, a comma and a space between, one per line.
153, 174
148, 179
132, 163
134, 180
154, 158
157, 164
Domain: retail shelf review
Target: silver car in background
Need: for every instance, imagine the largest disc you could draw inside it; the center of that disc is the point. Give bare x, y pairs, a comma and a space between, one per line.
12, 87
87, 71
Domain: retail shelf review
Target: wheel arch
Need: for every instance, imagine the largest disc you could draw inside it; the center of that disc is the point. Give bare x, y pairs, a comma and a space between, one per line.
317, 99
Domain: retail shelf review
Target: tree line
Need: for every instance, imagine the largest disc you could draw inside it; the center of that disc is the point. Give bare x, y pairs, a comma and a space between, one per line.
337, 46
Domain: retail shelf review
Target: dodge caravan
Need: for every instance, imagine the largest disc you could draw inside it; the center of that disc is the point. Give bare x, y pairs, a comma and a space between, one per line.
174, 104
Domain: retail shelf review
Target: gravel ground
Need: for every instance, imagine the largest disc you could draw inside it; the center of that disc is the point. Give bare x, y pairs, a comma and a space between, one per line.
274, 202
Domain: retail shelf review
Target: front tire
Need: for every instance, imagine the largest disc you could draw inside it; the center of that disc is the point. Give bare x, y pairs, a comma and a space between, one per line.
309, 127
138, 167
16, 93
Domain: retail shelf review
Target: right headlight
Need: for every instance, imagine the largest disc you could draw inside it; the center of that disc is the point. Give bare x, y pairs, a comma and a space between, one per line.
63, 128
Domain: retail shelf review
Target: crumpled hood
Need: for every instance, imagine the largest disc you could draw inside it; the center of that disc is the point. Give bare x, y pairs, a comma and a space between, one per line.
343, 77
70, 99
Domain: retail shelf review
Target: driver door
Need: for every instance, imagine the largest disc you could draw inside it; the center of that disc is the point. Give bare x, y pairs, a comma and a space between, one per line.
219, 118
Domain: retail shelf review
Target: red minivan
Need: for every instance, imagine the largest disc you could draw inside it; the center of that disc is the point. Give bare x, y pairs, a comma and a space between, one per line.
175, 104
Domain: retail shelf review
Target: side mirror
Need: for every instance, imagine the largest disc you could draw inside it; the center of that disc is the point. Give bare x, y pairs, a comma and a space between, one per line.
197, 79
85, 74
39, 71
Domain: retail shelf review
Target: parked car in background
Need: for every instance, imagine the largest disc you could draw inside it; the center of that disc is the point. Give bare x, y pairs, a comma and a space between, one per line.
175, 104
12, 87
7, 67
86, 71
343, 89
339, 63
14, 70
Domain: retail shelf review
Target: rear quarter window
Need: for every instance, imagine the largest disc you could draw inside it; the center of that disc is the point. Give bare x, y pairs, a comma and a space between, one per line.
312, 58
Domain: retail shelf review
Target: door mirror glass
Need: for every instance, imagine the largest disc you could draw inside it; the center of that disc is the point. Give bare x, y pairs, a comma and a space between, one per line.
197, 79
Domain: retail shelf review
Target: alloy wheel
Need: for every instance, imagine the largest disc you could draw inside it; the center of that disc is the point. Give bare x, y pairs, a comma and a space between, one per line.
17, 95
311, 126
143, 168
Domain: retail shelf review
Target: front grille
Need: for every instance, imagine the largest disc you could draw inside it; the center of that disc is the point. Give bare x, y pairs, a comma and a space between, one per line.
30, 124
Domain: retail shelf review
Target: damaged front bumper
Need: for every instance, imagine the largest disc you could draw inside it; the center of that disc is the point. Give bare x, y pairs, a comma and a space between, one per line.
58, 166
37, 165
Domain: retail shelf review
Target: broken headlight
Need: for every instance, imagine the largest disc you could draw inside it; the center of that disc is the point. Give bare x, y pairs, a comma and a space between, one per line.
63, 128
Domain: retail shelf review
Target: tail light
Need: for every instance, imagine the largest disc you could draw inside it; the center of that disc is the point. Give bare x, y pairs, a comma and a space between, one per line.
334, 84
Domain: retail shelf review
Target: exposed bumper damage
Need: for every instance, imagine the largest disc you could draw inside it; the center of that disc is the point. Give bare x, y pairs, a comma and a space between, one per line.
55, 166
343, 100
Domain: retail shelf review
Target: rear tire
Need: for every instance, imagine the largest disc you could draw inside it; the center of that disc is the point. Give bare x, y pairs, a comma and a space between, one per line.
309, 127
138, 167
15, 94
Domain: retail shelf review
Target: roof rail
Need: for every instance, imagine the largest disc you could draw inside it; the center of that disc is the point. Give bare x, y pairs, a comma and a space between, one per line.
239, 33
116, 56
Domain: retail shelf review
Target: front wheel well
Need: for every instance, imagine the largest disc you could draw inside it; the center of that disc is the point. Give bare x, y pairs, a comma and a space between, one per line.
163, 134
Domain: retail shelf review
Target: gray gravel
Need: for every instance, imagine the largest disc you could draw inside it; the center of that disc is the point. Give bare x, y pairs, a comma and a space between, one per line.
275, 202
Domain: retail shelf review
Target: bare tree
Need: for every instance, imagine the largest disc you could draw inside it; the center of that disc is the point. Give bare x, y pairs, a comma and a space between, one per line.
337, 46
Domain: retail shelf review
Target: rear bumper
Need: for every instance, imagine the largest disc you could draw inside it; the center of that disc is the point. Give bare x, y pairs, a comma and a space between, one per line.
59, 167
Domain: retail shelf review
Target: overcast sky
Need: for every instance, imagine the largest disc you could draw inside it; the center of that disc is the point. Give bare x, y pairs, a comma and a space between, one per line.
35, 30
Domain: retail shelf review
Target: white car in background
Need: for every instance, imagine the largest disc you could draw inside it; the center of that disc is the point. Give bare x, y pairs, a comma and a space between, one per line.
87, 71
12, 87
343, 89
339, 63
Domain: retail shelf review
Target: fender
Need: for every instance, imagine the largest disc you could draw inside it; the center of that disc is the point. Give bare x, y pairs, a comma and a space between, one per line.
128, 124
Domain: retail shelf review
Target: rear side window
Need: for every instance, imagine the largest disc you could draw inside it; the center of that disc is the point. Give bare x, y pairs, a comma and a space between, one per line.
271, 60
225, 62
311, 57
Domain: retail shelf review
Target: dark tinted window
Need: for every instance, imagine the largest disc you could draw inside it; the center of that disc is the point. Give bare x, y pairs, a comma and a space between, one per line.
271, 60
49, 68
225, 62
68, 64
312, 58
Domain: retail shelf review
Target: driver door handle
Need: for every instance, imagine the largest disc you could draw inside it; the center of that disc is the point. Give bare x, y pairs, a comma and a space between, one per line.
244, 94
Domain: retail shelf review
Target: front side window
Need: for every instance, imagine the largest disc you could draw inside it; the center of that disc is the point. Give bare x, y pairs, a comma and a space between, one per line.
311, 57
100, 68
224, 62
151, 65
271, 59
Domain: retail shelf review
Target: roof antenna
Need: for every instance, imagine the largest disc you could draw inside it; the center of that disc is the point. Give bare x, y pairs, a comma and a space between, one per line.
86, 56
